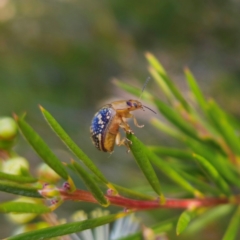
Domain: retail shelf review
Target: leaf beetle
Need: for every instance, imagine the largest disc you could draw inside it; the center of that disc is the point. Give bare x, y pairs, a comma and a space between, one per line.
106, 122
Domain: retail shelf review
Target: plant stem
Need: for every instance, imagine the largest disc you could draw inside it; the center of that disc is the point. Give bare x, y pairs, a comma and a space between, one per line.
117, 200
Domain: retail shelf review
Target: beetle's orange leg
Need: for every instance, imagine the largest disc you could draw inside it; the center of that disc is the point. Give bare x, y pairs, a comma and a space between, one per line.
126, 142
134, 120
129, 115
125, 126
136, 123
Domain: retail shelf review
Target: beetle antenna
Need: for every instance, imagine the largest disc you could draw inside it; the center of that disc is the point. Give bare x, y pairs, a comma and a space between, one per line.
144, 86
150, 109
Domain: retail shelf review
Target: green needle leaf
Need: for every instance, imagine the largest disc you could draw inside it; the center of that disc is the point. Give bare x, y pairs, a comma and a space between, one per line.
139, 152
23, 207
167, 129
132, 193
184, 221
65, 229
166, 169
233, 227
17, 178
176, 119
221, 163
171, 152
224, 126
213, 174
205, 218
72, 145
195, 89
19, 189
163, 86
91, 185
198, 182
156, 65
42, 148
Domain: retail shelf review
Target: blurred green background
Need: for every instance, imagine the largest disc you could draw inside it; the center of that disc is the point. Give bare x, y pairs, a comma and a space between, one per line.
63, 54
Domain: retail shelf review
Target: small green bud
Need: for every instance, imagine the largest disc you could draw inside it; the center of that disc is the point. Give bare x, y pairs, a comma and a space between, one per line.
8, 132
98, 212
46, 174
52, 193
49, 191
8, 128
14, 165
79, 216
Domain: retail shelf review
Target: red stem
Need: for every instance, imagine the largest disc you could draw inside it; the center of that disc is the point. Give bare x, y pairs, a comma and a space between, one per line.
81, 195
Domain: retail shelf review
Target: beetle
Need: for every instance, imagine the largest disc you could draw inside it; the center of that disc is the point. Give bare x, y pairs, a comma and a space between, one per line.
107, 121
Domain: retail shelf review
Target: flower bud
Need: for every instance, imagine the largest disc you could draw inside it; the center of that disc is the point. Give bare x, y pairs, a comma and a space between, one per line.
15, 165
8, 132
8, 128
49, 191
66, 187
98, 212
47, 174
79, 216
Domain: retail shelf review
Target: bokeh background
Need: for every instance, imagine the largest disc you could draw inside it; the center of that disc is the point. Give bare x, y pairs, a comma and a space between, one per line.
63, 54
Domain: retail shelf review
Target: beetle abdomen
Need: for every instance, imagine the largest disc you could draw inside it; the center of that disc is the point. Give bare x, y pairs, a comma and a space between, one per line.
99, 126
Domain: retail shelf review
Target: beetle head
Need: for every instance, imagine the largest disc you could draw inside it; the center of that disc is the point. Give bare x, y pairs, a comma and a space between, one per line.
135, 104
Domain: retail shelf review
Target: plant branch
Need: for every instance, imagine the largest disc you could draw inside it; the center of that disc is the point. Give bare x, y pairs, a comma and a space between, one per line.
117, 200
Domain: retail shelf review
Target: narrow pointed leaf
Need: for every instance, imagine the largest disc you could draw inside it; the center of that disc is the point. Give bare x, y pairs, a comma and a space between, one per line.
208, 217
195, 89
199, 183
23, 207
213, 174
132, 193
19, 189
233, 227
188, 139
167, 170
42, 148
155, 64
171, 152
224, 127
221, 163
176, 119
17, 178
176, 92
163, 86
165, 226
91, 185
184, 221
153, 61
72, 145
139, 152
65, 229
167, 129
